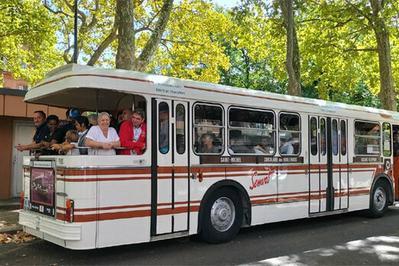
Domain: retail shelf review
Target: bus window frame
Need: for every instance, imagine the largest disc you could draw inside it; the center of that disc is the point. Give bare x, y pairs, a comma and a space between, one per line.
354, 137
390, 139
184, 128
314, 118
193, 125
250, 109
300, 134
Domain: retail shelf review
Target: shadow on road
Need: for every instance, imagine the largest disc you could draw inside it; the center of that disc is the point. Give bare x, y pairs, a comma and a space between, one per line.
325, 237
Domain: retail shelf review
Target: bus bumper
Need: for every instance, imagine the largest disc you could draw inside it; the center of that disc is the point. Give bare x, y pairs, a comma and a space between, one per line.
48, 228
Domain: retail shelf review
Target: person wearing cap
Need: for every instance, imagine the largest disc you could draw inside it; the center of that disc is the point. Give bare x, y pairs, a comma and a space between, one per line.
59, 135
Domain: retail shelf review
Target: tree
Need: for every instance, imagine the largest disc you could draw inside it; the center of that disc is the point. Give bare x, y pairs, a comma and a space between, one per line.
125, 57
292, 55
96, 27
124, 18
113, 32
192, 46
27, 39
340, 48
387, 91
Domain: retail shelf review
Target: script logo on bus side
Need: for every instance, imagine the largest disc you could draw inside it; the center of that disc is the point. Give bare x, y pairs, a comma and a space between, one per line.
261, 180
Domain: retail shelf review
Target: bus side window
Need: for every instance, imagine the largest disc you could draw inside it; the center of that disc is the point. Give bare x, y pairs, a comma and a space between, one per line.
367, 138
208, 129
313, 136
180, 129
251, 131
289, 134
343, 137
386, 141
163, 125
323, 137
335, 137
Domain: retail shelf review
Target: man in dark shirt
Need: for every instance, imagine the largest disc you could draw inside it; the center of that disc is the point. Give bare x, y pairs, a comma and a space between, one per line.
39, 119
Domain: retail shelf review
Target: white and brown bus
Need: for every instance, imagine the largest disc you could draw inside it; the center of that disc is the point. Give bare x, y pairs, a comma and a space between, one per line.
232, 158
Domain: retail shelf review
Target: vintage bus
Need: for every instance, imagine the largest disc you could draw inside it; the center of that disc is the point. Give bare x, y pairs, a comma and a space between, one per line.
232, 158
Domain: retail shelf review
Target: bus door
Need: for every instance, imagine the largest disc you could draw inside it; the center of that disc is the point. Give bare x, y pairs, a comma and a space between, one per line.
340, 163
328, 172
395, 130
170, 167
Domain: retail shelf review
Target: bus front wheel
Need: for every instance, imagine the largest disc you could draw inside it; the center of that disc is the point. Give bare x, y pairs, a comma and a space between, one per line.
379, 199
222, 216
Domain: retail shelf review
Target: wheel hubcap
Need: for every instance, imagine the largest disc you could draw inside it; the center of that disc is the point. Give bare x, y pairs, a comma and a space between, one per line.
223, 214
379, 199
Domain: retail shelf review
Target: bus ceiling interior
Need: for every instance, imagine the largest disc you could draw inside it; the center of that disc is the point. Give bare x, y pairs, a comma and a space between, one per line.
94, 99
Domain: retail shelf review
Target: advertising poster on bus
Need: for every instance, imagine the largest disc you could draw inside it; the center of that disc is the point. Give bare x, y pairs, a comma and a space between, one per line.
42, 190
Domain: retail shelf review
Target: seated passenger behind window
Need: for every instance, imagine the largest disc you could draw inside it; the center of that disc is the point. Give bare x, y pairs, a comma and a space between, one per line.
207, 145
265, 147
237, 144
102, 138
133, 134
287, 147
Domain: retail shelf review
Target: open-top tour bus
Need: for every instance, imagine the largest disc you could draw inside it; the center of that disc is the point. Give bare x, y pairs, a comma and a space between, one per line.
234, 157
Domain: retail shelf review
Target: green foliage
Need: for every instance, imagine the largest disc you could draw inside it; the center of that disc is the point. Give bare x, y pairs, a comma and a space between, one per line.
27, 39
191, 46
243, 46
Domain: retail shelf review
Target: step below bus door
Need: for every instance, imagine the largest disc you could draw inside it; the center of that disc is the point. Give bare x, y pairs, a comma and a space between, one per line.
170, 169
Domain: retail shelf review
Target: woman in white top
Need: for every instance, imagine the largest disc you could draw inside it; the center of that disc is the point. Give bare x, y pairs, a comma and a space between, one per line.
102, 138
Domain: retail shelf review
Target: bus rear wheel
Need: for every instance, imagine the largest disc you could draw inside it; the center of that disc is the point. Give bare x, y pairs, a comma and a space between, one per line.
222, 216
379, 199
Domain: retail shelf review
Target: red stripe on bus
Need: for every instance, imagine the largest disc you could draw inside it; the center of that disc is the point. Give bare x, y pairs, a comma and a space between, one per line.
129, 206
107, 208
125, 215
102, 179
99, 171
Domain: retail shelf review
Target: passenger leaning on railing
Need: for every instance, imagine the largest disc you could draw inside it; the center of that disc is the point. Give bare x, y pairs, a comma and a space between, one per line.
39, 120
78, 146
102, 138
133, 134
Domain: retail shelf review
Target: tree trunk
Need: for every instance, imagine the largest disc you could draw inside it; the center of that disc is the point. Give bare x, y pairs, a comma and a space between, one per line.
126, 45
293, 64
387, 87
152, 44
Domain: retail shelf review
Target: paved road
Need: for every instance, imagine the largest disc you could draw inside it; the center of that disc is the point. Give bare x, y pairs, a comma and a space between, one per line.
349, 239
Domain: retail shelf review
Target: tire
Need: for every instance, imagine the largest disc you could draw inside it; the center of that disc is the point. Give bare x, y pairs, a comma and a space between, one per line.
222, 216
379, 199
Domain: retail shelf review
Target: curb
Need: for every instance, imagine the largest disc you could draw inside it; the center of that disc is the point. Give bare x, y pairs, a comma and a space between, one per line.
9, 207
11, 229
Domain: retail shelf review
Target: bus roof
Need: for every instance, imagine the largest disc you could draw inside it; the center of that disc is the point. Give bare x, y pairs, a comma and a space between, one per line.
54, 89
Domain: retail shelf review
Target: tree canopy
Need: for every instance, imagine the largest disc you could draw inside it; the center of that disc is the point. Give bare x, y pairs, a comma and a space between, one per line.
28, 39
339, 50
